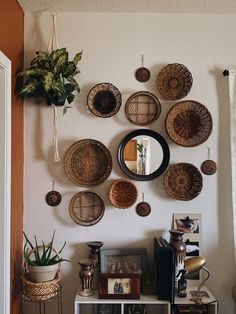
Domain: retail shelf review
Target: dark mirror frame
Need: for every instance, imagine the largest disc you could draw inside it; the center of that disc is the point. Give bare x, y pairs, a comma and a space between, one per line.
159, 139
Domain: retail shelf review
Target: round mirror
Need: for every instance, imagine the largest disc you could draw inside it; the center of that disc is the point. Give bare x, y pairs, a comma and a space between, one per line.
143, 155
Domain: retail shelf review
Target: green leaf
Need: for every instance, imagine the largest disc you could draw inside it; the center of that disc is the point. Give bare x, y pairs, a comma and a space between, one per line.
69, 70
61, 63
48, 81
77, 57
29, 89
70, 98
69, 88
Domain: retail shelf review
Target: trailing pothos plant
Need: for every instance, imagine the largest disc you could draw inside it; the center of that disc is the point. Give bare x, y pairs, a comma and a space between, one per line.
51, 78
42, 255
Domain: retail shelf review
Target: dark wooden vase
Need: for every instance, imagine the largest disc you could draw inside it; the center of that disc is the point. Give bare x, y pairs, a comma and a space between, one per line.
86, 277
177, 243
95, 247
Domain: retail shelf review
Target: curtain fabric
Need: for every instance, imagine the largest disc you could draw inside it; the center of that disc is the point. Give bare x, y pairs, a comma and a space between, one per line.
232, 101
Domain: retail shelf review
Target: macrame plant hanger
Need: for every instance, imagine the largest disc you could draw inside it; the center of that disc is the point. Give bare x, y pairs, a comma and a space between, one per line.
54, 44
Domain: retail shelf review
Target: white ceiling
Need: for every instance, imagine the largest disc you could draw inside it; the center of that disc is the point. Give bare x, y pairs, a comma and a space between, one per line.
162, 6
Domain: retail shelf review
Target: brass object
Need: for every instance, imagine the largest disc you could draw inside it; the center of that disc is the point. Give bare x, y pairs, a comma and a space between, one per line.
194, 264
86, 277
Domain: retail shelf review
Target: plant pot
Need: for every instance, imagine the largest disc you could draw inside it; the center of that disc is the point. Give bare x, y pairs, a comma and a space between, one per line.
42, 273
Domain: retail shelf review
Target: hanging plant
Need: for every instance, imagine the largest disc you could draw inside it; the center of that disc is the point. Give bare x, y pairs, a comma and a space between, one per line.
51, 78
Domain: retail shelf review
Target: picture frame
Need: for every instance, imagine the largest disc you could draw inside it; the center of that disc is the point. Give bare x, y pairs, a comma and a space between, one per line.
127, 261
119, 286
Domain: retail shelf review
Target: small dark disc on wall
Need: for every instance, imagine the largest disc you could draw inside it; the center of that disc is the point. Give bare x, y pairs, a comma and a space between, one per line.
143, 209
142, 74
209, 167
53, 198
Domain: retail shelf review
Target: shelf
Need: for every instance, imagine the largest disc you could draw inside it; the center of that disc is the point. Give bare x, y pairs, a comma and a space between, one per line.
85, 305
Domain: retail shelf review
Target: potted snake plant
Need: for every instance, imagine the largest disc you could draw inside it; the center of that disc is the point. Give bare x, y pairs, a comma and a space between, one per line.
42, 261
50, 78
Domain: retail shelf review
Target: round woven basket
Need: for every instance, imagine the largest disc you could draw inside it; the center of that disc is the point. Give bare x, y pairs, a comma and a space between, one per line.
142, 108
86, 208
174, 81
189, 123
123, 193
183, 181
43, 290
104, 100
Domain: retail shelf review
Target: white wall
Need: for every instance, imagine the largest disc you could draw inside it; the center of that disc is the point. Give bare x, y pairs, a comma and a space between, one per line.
112, 45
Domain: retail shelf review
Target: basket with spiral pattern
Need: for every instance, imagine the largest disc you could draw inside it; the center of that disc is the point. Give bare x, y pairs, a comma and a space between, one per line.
123, 193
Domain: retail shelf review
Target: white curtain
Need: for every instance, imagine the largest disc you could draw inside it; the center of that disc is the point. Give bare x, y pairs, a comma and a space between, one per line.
232, 100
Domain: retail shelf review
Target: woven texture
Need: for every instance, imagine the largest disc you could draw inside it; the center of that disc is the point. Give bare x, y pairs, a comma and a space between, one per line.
123, 193
189, 123
86, 208
104, 100
142, 108
174, 81
88, 163
43, 290
183, 181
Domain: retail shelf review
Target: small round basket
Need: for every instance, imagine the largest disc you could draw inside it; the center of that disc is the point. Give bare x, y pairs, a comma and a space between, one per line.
43, 290
123, 193
174, 81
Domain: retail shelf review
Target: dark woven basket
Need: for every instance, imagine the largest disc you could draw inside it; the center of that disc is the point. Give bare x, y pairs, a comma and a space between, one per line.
142, 108
88, 163
123, 193
189, 123
86, 208
104, 100
183, 181
174, 81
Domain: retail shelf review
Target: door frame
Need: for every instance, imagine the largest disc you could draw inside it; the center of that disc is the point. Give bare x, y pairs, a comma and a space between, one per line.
5, 65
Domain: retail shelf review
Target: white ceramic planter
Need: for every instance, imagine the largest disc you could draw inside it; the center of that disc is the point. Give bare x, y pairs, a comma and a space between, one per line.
42, 273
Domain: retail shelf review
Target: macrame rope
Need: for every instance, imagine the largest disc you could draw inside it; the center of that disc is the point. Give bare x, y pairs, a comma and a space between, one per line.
56, 156
54, 38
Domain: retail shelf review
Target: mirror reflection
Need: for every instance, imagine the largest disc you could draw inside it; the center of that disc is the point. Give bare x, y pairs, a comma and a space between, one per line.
143, 155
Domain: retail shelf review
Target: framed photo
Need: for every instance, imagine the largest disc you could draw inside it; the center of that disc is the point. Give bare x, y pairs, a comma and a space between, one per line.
119, 286
189, 223
126, 261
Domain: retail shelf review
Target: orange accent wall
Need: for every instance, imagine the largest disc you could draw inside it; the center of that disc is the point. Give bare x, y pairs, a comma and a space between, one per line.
11, 44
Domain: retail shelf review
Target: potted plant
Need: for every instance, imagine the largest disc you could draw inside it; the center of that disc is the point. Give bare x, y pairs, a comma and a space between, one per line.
42, 261
51, 78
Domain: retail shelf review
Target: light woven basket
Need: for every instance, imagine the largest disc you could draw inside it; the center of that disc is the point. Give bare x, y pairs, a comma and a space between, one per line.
43, 290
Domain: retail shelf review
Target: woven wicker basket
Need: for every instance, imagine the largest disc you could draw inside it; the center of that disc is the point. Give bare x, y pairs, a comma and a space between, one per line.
123, 193
174, 81
43, 290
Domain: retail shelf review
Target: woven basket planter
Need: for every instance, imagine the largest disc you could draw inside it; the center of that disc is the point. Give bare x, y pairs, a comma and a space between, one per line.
41, 291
